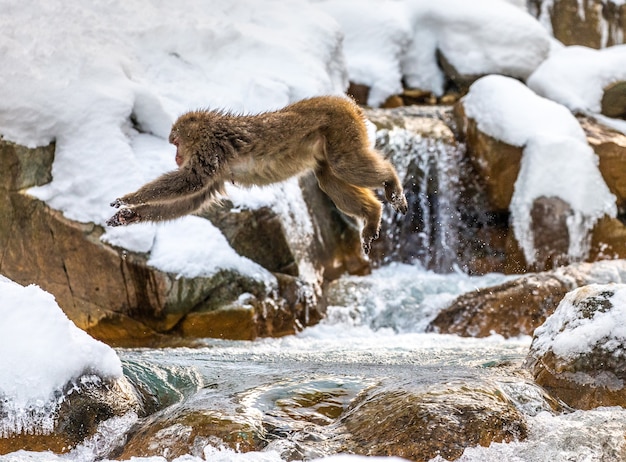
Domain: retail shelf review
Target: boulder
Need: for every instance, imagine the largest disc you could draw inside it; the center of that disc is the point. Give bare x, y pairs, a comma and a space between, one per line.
183, 431
420, 425
497, 162
518, 306
76, 412
123, 301
610, 146
497, 165
593, 23
613, 102
460, 80
579, 353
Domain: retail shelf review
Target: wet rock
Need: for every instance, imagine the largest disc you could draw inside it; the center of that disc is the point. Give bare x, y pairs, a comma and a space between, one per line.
519, 306
359, 92
75, 413
593, 23
421, 425
549, 217
579, 353
187, 431
256, 234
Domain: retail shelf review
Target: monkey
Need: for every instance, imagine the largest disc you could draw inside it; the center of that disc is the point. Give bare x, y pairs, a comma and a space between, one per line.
326, 135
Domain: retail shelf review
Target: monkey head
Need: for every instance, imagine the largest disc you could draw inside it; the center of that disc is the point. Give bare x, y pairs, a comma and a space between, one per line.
184, 135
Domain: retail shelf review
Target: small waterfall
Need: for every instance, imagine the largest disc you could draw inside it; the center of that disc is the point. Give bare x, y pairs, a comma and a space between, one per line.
428, 160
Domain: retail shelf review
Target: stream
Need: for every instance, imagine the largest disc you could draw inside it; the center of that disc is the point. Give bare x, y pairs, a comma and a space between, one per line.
289, 391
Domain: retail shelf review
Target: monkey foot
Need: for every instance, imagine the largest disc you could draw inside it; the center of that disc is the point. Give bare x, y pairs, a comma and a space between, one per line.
366, 240
398, 202
123, 217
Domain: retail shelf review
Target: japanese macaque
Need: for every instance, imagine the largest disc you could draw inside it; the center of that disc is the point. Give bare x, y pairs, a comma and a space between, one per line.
326, 135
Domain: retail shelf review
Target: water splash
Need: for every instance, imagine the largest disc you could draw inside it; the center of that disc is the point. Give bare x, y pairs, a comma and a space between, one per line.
430, 166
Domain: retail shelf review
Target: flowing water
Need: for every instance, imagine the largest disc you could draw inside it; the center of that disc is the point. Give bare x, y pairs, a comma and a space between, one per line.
291, 389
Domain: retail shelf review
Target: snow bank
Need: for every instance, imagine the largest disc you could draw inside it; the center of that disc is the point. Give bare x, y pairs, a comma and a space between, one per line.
377, 36
576, 76
42, 350
477, 38
572, 330
557, 160
76, 72
388, 41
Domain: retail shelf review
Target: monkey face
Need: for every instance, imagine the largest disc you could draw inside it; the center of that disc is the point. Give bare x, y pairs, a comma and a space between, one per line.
183, 135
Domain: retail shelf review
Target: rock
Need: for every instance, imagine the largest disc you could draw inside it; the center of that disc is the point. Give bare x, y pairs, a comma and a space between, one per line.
610, 146
579, 353
497, 162
460, 80
519, 306
594, 23
608, 240
249, 231
359, 92
614, 100
78, 410
123, 301
421, 425
549, 216
185, 431
497, 165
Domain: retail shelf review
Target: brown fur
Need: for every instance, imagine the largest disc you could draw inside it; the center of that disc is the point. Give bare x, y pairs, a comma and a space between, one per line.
326, 135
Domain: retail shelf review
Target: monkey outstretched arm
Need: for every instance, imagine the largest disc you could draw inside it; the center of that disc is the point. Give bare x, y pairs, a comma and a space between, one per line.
165, 210
172, 185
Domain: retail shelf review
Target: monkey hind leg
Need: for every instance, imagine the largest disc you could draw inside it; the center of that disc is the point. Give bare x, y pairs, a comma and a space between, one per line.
368, 169
355, 201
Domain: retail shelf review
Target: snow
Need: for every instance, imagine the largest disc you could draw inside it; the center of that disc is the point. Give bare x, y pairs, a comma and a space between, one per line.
480, 37
575, 76
570, 331
388, 41
78, 72
42, 350
105, 80
557, 161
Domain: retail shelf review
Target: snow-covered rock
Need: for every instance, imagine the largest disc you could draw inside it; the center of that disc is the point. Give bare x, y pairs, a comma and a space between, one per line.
579, 353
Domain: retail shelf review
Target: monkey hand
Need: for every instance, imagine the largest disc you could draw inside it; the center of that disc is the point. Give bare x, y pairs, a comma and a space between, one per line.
117, 203
123, 217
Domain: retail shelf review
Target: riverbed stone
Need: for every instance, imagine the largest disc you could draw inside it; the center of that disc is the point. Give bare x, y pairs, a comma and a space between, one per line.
579, 353
183, 430
520, 305
441, 421
81, 406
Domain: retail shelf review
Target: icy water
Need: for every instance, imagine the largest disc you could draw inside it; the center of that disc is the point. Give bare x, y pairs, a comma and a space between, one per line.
374, 335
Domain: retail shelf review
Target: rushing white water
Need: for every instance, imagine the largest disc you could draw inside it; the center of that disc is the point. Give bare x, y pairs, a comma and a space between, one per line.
374, 332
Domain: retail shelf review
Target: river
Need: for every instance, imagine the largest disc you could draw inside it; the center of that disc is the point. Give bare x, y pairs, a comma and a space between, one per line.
373, 335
